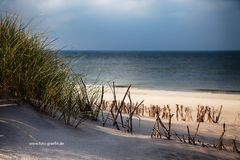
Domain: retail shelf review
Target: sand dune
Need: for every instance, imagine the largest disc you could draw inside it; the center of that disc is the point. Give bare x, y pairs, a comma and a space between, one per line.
21, 126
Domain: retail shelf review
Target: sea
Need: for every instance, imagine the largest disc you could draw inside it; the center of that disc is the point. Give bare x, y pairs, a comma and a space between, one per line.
208, 71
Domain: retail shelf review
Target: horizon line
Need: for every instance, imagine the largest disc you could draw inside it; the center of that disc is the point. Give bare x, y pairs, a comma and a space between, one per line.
124, 50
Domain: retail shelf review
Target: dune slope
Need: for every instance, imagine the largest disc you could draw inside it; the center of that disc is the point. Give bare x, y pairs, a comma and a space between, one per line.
21, 126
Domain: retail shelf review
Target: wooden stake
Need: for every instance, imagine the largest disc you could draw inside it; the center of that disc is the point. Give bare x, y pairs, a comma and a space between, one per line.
196, 132
99, 106
220, 145
189, 136
120, 110
235, 149
177, 111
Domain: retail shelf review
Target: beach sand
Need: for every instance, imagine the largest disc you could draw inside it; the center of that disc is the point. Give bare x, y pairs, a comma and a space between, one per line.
230, 102
20, 125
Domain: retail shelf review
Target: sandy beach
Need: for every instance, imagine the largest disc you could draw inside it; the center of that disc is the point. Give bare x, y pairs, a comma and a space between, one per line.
27, 134
230, 102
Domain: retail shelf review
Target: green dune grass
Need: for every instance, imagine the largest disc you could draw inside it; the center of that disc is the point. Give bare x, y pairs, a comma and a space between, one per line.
31, 70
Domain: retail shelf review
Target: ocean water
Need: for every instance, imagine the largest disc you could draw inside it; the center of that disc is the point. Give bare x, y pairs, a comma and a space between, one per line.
202, 71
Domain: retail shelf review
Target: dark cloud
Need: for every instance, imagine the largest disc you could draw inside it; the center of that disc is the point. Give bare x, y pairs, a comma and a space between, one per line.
135, 24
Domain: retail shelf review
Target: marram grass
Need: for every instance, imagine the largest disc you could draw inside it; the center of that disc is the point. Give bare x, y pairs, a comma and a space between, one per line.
31, 70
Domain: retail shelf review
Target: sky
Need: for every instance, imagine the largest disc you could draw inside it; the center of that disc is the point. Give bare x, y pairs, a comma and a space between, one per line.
133, 24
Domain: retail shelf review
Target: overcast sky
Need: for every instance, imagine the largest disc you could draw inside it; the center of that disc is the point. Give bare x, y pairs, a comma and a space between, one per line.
134, 24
